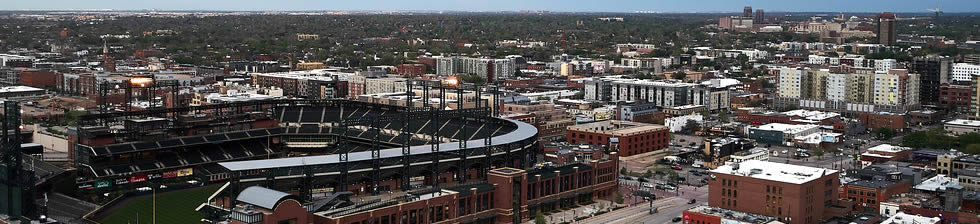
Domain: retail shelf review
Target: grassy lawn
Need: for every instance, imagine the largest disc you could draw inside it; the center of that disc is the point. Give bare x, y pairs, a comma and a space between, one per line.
172, 207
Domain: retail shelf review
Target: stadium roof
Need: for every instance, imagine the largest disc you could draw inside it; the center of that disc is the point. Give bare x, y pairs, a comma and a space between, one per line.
523, 131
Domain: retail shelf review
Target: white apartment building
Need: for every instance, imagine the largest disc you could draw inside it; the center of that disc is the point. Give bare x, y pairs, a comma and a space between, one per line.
385, 85
885, 64
789, 82
963, 72
837, 87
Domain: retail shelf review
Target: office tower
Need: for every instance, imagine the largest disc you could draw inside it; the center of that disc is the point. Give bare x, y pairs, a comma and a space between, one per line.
886, 28
747, 12
933, 72
760, 16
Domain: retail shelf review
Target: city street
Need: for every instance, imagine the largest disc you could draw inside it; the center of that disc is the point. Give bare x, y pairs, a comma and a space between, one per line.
668, 208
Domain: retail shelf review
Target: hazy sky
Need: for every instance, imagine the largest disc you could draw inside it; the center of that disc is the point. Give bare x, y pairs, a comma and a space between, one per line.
509, 5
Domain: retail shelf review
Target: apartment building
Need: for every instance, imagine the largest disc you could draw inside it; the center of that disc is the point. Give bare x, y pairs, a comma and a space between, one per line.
963, 72
490, 69
791, 193
896, 87
865, 90
660, 93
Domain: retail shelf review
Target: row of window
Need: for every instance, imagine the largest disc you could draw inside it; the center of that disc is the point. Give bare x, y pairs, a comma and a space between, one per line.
565, 183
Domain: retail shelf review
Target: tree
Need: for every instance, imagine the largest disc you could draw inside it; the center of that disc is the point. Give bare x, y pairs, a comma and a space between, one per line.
724, 117
622, 171
972, 149
539, 219
619, 198
648, 174
690, 127
474, 79
819, 152
679, 75
885, 133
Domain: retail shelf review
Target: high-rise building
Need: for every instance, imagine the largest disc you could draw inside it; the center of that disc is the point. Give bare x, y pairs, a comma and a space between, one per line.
933, 72
791, 193
747, 11
760, 16
896, 87
975, 98
886, 28
790, 80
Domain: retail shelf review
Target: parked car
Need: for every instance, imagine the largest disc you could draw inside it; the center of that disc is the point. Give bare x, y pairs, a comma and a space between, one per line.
676, 167
647, 185
692, 201
676, 219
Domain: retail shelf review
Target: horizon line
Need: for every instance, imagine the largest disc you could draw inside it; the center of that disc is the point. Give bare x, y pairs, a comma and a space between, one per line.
457, 11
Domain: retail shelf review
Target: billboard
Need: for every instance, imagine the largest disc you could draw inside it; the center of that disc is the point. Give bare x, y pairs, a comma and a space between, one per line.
170, 174
185, 172
103, 184
137, 178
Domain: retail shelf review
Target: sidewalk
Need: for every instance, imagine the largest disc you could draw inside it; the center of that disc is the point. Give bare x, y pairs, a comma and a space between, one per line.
569, 215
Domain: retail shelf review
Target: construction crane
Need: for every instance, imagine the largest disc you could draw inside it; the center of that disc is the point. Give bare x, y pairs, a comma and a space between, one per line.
936, 10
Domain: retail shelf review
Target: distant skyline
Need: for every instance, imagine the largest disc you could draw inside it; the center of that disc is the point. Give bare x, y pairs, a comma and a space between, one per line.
914, 6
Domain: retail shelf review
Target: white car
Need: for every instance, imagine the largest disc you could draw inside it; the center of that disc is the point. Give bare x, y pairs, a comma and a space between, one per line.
647, 185
144, 189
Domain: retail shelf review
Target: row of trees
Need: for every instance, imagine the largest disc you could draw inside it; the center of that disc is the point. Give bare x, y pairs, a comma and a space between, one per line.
940, 139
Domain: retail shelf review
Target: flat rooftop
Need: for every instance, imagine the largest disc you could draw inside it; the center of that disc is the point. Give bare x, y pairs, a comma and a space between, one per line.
14, 89
887, 148
902, 218
964, 122
786, 128
617, 127
780, 172
741, 217
938, 183
811, 114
